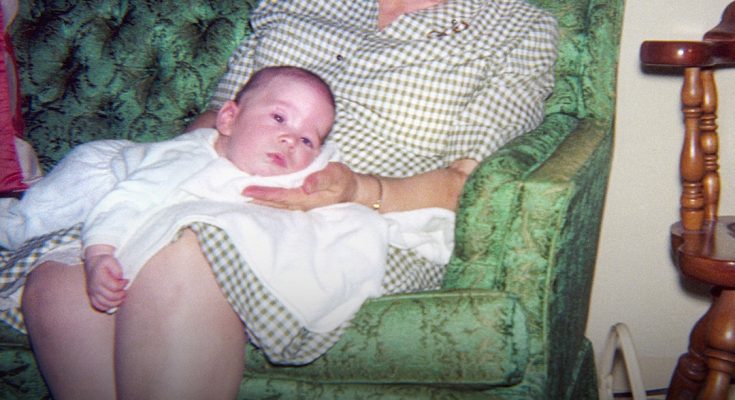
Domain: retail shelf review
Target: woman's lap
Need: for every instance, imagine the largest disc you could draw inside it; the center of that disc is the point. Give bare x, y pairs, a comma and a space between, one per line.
268, 324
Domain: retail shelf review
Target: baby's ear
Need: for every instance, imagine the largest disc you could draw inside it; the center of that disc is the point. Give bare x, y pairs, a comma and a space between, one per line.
226, 117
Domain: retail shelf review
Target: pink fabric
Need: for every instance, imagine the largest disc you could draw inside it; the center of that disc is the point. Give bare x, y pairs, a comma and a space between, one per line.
11, 121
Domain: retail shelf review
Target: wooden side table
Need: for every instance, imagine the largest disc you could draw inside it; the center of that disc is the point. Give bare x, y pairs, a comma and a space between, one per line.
703, 243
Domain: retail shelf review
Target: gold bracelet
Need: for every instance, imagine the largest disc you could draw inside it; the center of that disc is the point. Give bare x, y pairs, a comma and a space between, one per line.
379, 202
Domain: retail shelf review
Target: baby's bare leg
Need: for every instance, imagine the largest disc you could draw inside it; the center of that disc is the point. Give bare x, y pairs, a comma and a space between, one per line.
177, 336
72, 342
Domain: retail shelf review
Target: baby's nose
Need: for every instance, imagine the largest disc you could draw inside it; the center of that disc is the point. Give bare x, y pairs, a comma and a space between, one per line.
287, 139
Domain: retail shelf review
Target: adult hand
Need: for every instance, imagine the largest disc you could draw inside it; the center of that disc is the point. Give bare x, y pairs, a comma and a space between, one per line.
334, 184
105, 283
207, 119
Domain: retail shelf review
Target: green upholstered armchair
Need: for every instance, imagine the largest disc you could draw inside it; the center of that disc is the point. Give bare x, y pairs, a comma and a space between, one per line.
509, 322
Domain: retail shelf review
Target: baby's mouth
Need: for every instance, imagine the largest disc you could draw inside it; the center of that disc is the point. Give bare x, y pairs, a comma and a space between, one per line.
278, 159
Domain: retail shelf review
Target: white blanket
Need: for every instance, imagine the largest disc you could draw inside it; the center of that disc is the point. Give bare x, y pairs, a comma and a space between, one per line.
321, 264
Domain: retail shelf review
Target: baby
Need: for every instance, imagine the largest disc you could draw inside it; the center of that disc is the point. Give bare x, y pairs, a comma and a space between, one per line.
275, 127
321, 265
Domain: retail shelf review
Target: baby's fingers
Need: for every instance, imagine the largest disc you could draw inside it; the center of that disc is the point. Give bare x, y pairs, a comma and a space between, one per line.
107, 293
104, 300
112, 284
101, 305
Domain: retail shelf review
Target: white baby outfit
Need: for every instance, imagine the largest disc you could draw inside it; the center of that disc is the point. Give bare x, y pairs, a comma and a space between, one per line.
321, 264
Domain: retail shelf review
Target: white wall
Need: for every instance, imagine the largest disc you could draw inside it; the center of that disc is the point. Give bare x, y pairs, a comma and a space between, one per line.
635, 280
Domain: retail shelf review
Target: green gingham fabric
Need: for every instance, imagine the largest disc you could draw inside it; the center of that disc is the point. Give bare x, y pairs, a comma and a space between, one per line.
455, 81
16, 265
268, 323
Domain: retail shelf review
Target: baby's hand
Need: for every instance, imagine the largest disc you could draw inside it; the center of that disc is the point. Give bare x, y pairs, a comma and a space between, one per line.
105, 284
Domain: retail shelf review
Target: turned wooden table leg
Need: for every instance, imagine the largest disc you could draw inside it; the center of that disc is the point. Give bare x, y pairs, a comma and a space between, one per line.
720, 351
691, 369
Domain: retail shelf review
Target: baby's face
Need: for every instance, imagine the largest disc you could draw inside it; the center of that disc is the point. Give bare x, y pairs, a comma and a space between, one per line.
277, 128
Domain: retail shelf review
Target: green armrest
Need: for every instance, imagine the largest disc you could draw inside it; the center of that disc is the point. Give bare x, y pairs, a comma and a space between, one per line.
528, 227
461, 337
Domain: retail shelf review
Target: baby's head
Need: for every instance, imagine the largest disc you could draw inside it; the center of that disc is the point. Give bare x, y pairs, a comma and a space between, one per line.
277, 122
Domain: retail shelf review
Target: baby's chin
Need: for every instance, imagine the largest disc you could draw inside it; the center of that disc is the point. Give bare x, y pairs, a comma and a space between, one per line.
274, 164
272, 170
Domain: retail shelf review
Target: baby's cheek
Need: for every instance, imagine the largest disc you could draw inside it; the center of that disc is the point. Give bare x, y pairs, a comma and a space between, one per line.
304, 160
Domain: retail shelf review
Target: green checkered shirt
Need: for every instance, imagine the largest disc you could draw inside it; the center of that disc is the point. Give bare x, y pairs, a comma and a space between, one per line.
454, 81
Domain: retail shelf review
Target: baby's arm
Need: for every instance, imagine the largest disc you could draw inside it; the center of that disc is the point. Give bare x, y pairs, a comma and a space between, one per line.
105, 283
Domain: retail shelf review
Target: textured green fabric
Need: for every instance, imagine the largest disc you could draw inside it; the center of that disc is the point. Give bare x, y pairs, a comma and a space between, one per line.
509, 322
139, 70
19, 376
385, 346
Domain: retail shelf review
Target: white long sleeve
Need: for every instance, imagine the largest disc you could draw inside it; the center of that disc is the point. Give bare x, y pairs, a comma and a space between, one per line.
66, 195
152, 173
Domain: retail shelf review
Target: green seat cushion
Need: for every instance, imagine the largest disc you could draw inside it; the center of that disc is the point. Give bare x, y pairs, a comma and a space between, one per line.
462, 337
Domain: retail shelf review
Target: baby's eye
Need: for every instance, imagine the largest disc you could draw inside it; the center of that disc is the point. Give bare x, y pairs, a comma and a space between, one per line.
307, 142
278, 118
